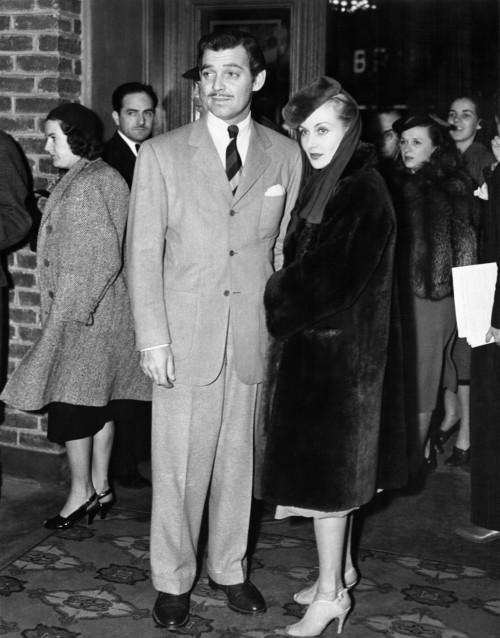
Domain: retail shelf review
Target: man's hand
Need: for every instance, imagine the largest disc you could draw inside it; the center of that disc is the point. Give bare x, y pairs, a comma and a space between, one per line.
158, 365
495, 333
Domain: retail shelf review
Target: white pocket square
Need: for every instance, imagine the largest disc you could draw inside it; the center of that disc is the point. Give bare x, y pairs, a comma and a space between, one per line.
275, 190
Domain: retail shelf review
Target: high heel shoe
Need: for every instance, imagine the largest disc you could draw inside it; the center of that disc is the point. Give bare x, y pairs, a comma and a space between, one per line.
107, 505
306, 596
88, 509
443, 436
320, 614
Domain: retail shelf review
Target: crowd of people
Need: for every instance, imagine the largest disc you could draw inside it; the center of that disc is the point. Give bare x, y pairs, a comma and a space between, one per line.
284, 303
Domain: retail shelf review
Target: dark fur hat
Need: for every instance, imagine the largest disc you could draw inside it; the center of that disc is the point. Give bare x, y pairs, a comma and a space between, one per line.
423, 119
308, 99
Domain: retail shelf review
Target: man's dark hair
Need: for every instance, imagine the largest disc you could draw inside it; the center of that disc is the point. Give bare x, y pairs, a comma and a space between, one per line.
132, 87
230, 39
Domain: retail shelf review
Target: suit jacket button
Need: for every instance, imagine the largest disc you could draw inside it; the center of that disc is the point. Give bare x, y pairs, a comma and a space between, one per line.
51, 294
226, 293
232, 213
232, 253
46, 262
49, 228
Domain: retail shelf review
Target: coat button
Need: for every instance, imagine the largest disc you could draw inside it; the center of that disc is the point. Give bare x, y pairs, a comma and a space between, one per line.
226, 293
51, 294
46, 262
232, 253
232, 213
49, 228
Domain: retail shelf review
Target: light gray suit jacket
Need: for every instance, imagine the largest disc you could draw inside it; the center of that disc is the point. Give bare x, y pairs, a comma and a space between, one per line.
197, 255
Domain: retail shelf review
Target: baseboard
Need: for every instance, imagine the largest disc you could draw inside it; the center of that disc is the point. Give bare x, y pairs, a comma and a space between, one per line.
43, 467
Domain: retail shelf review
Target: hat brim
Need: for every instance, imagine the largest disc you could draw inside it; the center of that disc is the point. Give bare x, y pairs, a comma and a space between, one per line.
192, 74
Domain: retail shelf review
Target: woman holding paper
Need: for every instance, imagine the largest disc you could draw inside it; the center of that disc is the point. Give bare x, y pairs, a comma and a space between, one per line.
437, 220
466, 117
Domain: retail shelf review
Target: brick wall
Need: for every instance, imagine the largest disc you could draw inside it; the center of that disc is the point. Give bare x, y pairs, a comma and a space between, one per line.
40, 67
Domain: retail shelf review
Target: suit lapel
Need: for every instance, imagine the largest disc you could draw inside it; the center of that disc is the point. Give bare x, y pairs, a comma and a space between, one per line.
256, 162
206, 159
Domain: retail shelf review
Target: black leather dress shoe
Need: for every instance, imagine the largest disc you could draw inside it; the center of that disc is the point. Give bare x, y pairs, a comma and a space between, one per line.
134, 482
244, 598
171, 611
458, 457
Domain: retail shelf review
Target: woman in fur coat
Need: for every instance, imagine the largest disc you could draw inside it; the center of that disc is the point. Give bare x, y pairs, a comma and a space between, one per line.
329, 312
83, 367
437, 230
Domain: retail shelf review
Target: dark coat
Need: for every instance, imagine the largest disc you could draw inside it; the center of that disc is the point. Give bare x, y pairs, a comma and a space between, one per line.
119, 155
330, 442
85, 354
15, 221
484, 385
438, 219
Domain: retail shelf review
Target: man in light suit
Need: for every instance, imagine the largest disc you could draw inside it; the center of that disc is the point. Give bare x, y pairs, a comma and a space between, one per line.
200, 250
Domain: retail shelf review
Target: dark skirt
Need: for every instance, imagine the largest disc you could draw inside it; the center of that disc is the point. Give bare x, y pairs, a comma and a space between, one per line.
67, 422
485, 436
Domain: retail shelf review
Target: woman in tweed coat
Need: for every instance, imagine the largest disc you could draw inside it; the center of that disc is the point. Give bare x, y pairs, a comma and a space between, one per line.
84, 363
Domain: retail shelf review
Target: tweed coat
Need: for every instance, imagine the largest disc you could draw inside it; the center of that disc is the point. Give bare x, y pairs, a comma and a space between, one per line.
197, 254
85, 354
333, 402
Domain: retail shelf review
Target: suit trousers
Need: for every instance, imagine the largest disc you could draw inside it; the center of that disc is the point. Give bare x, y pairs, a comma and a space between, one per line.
202, 444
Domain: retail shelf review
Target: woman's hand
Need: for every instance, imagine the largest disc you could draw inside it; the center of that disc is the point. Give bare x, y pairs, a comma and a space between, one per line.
493, 333
158, 365
495, 147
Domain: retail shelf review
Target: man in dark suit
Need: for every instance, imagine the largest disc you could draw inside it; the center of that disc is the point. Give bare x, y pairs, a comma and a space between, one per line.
134, 107
15, 221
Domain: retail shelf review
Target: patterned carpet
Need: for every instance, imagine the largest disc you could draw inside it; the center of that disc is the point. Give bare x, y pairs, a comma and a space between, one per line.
94, 582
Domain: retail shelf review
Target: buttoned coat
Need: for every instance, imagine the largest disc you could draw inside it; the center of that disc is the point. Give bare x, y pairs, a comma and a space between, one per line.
85, 354
197, 254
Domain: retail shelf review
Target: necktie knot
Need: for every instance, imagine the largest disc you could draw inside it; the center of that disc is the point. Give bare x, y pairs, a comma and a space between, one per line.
137, 147
233, 131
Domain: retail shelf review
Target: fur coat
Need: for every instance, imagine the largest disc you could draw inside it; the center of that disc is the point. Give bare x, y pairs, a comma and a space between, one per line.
438, 217
85, 354
335, 357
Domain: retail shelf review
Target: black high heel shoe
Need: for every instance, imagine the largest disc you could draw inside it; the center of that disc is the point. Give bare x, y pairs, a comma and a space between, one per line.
88, 509
105, 507
443, 436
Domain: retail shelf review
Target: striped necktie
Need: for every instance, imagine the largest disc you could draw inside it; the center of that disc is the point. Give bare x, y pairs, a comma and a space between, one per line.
233, 159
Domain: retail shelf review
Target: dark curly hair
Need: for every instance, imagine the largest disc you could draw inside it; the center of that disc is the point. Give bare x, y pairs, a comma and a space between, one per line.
81, 143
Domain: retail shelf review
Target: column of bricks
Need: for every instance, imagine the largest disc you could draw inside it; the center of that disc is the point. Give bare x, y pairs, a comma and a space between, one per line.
40, 68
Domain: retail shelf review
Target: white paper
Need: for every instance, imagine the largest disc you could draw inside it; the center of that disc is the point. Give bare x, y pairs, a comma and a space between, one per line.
474, 290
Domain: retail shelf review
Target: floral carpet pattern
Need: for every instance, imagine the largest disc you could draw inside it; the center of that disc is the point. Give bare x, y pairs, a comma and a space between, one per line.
94, 582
